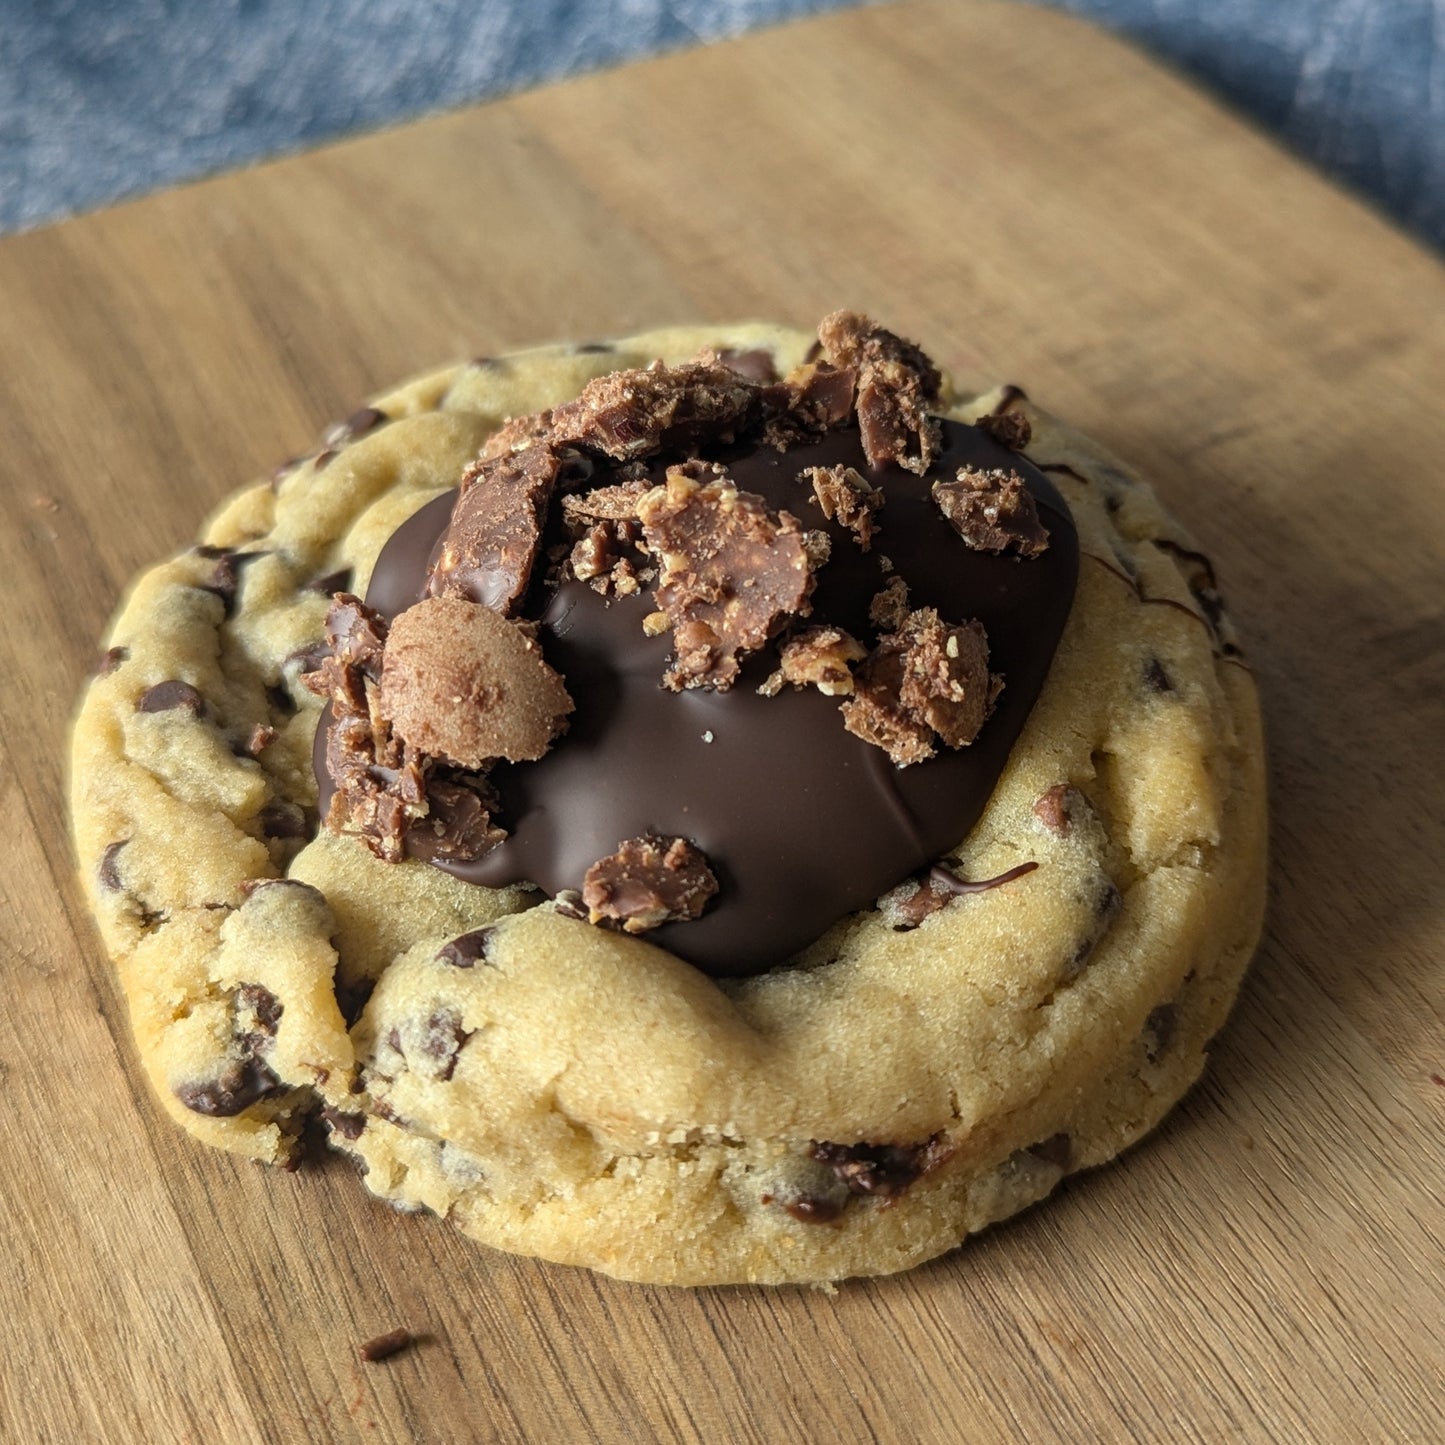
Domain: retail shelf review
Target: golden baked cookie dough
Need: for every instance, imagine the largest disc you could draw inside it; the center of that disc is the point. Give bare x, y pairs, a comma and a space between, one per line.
579, 1094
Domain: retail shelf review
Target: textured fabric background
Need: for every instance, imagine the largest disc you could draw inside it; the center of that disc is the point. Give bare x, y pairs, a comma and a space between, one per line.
101, 99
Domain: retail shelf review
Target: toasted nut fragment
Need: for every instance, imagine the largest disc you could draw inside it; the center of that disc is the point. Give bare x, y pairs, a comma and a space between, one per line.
822, 657
896, 381
648, 881
927, 678
845, 494
731, 572
992, 511
462, 683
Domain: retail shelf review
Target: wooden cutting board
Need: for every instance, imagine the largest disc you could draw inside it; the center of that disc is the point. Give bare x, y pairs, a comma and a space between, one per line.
1037, 203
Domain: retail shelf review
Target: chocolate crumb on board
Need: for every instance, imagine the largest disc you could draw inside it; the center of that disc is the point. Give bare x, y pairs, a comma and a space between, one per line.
648, 881
383, 1347
732, 572
924, 681
993, 511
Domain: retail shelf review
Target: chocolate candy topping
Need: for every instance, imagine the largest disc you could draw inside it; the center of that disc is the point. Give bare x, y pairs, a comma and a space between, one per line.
678, 734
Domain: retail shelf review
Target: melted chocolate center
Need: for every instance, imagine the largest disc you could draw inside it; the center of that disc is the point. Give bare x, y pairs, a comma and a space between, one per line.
801, 821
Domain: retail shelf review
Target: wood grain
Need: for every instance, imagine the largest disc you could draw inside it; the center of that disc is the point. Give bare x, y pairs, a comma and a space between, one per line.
1036, 202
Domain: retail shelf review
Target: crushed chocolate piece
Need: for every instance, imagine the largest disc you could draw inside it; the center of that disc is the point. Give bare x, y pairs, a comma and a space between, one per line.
349, 1126
821, 657
461, 682
896, 381
992, 511
615, 503
813, 399
888, 610
731, 572
882, 1170
165, 696
1053, 809
607, 557
383, 1347
261, 737
245, 1082
845, 494
633, 414
1009, 429
491, 543
648, 881
108, 869
111, 659
458, 825
927, 678
467, 950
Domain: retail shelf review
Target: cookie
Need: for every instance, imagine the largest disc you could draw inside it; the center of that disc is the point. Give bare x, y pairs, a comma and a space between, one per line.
715, 806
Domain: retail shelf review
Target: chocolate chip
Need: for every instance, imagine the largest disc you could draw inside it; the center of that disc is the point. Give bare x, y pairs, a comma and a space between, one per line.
442, 1040
1155, 677
244, 1083
109, 870
1057, 1149
111, 659
383, 1347
357, 424
264, 1008
333, 582
1159, 1031
280, 819
468, 950
280, 697
349, 1126
165, 696
282, 470
1010, 394
882, 1170
813, 1209
324, 459
352, 996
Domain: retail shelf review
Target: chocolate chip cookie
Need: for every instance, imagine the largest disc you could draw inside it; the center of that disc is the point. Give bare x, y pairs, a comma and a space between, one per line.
715, 806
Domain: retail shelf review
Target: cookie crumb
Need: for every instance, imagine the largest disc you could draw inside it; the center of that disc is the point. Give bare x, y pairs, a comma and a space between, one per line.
649, 881
383, 1347
992, 511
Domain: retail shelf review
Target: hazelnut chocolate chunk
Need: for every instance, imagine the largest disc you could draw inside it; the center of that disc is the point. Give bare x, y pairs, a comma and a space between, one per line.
813, 399
896, 381
615, 503
992, 511
822, 657
633, 414
926, 679
648, 881
491, 543
847, 496
461, 682
888, 610
457, 826
732, 572
882, 1170
1009, 429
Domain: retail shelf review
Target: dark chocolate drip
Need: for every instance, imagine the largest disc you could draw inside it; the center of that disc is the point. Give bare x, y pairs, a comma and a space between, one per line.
802, 822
